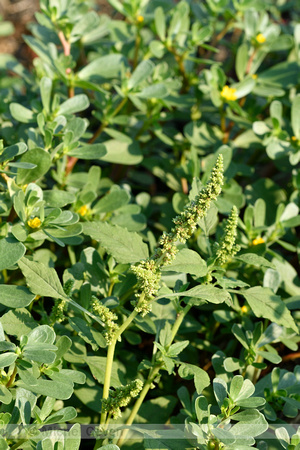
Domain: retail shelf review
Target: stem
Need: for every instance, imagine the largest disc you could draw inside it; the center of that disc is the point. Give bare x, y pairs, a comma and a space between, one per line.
110, 357
12, 378
152, 374
104, 123
136, 49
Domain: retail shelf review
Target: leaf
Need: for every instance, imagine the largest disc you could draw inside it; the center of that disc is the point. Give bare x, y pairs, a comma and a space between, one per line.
44, 281
102, 68
10, 252
97, 365
160, 22
41, 280
42, 335
74, 104
6, 359
12, 151
15, 296
57, 198
5, 395
18, 322
201, 378
255, 260
177, 348
142, 71
295, 116
37, 156
46, 89
21, 114
116, 198
57, 389
207, 293
188, 261
127, 153
92, 151
241, 60
264, 303
123, 245
92, 337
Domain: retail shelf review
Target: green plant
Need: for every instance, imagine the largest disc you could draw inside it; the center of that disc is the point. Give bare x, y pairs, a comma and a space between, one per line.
149, 200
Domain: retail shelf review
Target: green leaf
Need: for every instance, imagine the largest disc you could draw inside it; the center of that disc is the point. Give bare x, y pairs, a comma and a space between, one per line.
12, 151
116, 198
251, 402
142, 72
235, 386
15, 296
97, 365
10, 252
41, 280
57, 389
61, 416
202, 293
264, 303
123, 245
177, 348
37, 156
18, 322
92, 151
160, 22
42, 335
92, 337
255, 260
5, 395
241, 61
6, 359
122, 152
21, 114
188, 261
102, 68
295, 116
201, 378
74, 105
46, 89
57, 198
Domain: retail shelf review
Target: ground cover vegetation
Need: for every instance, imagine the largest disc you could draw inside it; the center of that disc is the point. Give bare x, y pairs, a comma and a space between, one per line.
149, 203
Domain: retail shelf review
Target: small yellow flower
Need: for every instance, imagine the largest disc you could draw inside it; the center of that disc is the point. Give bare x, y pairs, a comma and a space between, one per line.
34, 223
258, 241
140, 19
254, 76
244, 309
83, 210
37, 297
228, 93
293, 138
260, 38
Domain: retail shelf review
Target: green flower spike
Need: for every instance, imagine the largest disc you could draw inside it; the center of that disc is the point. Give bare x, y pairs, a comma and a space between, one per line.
120, 397
108, 317
148, 272
227, 248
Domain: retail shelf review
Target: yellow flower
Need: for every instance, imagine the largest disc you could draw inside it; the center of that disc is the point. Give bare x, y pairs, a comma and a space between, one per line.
140, 19
260, 38
293, 138
254, 76
228, 93
258, 241
244, 309
83, 210
34, 223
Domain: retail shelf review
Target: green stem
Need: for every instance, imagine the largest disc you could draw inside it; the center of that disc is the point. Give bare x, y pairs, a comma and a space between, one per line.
152, 374
110, 357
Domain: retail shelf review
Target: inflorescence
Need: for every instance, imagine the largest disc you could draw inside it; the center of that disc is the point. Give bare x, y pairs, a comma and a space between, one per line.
108, 317
227, 248
120, 397
148, 272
